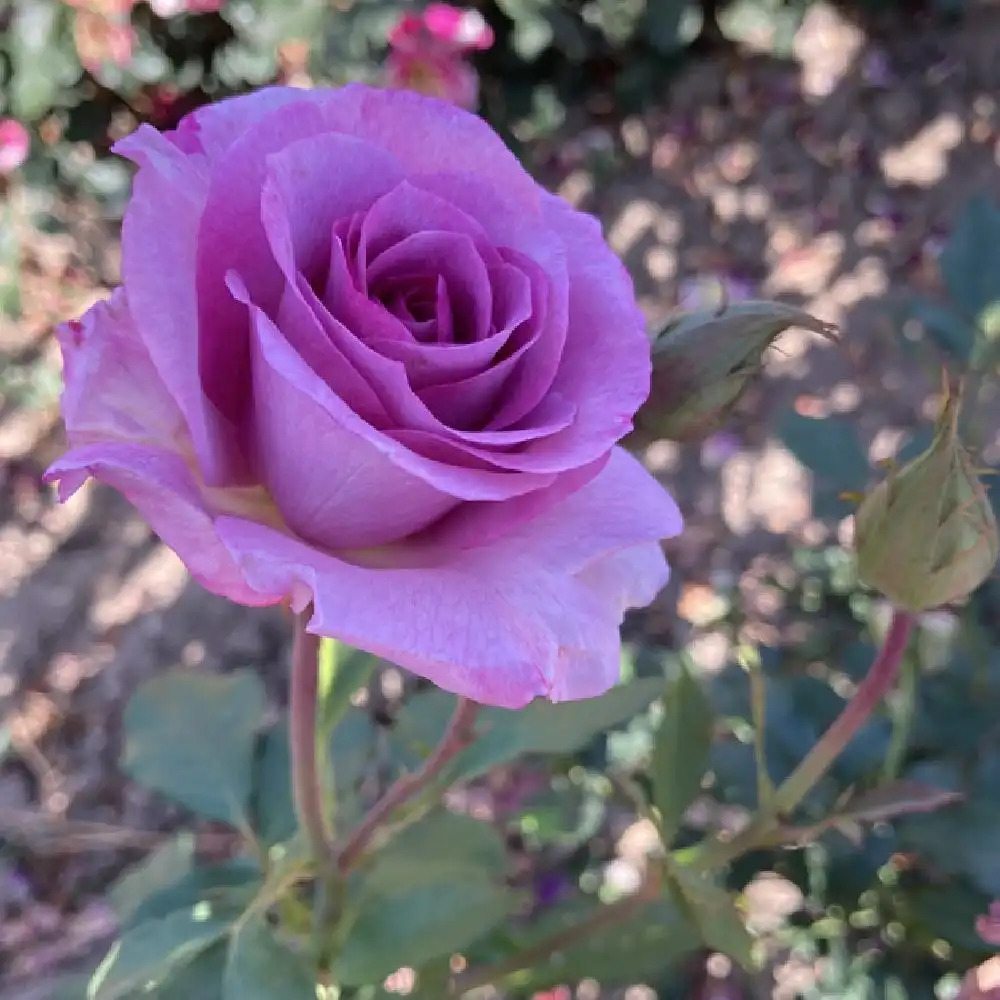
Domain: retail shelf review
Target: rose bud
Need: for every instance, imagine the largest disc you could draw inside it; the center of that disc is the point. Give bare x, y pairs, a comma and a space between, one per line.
927, 535
704, 361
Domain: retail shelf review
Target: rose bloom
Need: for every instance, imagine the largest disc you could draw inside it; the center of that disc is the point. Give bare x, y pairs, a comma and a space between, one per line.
427, 53
102, 38
14, 145
361, 361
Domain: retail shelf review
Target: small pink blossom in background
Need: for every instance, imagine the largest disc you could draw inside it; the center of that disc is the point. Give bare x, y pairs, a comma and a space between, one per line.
102, 38
427, 53
363, 364
171, 8
988, 925
14, 145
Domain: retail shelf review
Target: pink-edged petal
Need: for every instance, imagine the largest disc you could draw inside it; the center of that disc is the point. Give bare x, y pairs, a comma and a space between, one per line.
160, 485
605, 361
476, 525
111, 391
158, 259
429, 136
331, 484
528, 615
455, 626
622, 507
218, 125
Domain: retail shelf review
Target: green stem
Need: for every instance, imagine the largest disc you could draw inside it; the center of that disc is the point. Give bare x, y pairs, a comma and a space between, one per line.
876, 685
308, 769
307, 788
457, 737
600, 918
870, 692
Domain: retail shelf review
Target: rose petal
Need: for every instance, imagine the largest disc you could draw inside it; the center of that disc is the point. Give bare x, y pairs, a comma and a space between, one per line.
112, 391
397, 121
468, 483
311, 184
497, 624
454, 257
158, 270
322, 474
160, 485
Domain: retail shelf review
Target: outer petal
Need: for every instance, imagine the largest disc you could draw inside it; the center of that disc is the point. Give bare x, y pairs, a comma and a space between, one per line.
605, 363
534, 614
112, 391
161, 486
158, 268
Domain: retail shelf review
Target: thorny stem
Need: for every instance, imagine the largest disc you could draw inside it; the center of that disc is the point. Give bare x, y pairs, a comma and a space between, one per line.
457, 737
793, 790
876, 685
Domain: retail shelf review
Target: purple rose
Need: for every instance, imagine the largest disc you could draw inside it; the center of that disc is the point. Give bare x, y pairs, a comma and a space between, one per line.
361, 360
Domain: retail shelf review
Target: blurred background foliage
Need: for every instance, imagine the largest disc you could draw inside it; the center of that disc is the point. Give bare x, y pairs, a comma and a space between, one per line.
873, 907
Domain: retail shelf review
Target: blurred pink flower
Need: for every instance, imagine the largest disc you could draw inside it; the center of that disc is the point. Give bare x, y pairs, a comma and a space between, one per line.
428, 50
14, 145
171, 8
103, 38
988, 925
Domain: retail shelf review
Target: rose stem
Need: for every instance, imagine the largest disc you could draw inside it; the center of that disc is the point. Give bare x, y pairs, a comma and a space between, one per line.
457, 737
876, 685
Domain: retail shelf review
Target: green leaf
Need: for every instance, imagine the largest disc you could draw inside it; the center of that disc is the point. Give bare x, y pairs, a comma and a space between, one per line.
162, 868
191, 737
148, 954
414, 925
953, 334
441, 845
713, 912
541, 727
260, 967
436, 887
681, 751
352, 752
224, 888
342, 671
200, 979
635, 950
42, 58
970, 260
829, 448
272, 809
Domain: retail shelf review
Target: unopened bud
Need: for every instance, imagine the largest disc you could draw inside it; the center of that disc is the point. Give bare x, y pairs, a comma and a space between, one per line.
927, 535
704, 361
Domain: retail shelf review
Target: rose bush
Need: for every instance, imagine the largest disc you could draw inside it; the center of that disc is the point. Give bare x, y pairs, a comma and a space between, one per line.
359, 359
